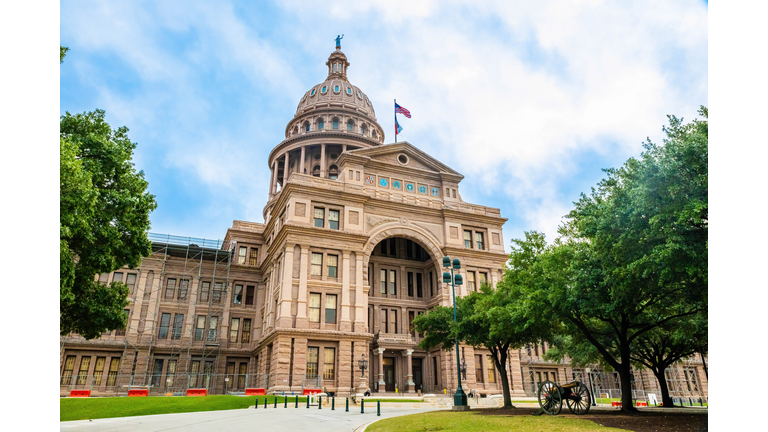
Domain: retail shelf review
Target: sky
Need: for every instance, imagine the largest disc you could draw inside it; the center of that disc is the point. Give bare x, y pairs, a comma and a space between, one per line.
528, 100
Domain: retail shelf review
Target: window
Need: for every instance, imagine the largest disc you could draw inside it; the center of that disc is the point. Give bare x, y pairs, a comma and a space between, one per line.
218, 287
130, 280
409, 249
317, 264
178, 323
431, 285
333, 219
246, 337
170, 373
193, 375
419, 288
85, 363
392, 321
249, 294
319, 217
157, 375
479, 368
383, 281
118, 277
183, 288
538, 378
316, 171
312, 355
410, 284
121, 332
479, 241
384, 321
98, 370
170, 288
205, 289
333, 172
333, 265
392, 282
238, 297
330, 309
491, 369
411, 316
690, 380
306, 124
335, 123
314, 307
253, 259
213, 326
199, 327
234, 329
330, 363
350, 126
362, 129
230, 374
241, 255
483, 279
241, 375
471, 281
468, 239
114, 365
393, 247
103, 278
165, 321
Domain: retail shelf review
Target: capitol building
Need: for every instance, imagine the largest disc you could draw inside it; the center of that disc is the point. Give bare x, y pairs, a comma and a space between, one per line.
349, 253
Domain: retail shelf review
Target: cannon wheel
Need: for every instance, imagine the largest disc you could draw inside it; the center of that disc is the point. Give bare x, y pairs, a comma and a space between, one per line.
550, 398
580, 400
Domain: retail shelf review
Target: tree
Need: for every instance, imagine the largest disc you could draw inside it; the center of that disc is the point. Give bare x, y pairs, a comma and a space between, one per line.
631, 258
486, 318
104, 219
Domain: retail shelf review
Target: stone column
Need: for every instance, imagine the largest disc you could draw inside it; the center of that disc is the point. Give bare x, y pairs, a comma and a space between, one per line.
410, 386
322, 161
361, 315
286, 289
285, 169
346, 324
273, 182
301, 312
301, 162
381, 369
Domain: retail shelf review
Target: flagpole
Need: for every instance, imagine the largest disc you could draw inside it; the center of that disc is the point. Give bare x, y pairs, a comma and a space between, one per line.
395, 120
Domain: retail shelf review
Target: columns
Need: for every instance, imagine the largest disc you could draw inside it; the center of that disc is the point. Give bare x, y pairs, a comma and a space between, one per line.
286, 288
346, 324
273, 183
301, 313
285, 170
410, 386
361, 315
301, 162
322, 161
381, 369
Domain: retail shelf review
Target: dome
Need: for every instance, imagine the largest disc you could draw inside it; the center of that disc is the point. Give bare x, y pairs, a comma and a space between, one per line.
336, 89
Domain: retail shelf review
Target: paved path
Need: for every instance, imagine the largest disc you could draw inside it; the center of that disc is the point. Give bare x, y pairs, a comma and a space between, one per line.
271, 419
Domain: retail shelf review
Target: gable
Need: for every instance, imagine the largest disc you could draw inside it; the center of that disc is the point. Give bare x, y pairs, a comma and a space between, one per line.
390, 154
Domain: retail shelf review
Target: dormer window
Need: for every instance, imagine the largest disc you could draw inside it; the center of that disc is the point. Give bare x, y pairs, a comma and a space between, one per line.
336, 89
362, 129
324, 90
313, 93
350, 126
349, 91
320, 124
306, 126
335, 123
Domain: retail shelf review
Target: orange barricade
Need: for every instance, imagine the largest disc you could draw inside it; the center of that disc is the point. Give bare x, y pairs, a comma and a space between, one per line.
138, 393
311, 391
255, 392
80, 393
642, 404
197, 392
615, 403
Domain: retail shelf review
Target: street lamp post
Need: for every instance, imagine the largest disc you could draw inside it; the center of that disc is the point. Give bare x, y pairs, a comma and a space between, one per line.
460, 398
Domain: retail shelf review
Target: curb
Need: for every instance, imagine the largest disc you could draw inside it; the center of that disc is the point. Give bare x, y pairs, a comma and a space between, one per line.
365, 426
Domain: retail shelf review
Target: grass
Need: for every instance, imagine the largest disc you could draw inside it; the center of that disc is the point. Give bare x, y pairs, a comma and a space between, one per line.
472, 421
96, 408
373, 399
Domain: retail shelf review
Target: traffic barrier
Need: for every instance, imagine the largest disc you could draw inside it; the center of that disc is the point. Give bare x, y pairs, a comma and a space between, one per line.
138, 393
308, 391
80, 393
645, 404
255, 392
615, 403
197, 392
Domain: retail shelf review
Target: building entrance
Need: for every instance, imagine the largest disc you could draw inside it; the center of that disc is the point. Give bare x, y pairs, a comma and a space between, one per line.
416, 368
389, 374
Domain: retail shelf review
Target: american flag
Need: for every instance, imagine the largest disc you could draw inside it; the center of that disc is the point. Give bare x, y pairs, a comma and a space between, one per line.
401, 110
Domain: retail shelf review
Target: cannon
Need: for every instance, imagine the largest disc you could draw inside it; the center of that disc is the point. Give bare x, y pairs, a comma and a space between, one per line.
575, 394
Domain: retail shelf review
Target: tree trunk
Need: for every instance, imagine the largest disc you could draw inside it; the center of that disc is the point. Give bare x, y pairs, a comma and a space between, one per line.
666, 399
500, 358
626, 382
706, 373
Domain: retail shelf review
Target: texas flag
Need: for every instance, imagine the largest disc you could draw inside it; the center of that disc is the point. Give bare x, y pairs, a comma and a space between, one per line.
398, 129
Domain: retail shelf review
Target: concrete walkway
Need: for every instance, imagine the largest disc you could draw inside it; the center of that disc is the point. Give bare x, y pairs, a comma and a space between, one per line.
271, 419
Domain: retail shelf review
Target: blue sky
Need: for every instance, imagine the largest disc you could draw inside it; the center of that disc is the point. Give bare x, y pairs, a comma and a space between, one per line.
528, 101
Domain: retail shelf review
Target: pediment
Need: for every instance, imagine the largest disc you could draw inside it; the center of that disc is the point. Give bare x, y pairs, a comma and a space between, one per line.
391, 154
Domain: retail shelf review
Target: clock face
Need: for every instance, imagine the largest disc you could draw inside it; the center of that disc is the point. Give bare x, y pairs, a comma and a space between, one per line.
435, 191
396, 184
383, 182
409, 187
422, 189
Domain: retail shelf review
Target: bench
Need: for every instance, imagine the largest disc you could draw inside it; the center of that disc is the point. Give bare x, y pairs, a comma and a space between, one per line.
138, 393
197, 392
255, 392
80, 393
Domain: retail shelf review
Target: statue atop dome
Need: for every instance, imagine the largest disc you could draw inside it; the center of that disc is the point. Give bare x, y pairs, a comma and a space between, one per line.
338, 40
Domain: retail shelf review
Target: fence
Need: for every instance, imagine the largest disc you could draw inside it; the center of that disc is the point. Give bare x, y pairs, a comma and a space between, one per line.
165, 385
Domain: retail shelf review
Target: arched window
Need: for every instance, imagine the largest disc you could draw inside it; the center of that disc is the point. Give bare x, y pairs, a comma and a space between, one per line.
335, 123
333, 172
320, 124
316, 171
363, 130
306, 126
295, 130
350, 125
374, 134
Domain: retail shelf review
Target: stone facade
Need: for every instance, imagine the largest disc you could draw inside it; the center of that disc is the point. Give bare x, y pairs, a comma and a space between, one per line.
350, 252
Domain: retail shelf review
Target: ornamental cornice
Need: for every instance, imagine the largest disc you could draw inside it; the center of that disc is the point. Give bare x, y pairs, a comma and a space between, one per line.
317, 333
473, 253
319, 137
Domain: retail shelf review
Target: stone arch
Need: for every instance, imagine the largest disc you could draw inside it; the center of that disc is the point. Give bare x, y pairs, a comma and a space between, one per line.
406, 230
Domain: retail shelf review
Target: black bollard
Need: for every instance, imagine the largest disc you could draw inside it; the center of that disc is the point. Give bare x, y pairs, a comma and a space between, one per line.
297, 401
378, 408
265, 401
308, 401
347, 409
275, 401
333, 404
285, 402
701, 403
319, 402
257, 403
362, 406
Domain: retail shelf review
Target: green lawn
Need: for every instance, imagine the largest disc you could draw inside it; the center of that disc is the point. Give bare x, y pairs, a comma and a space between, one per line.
95, 408
472, 421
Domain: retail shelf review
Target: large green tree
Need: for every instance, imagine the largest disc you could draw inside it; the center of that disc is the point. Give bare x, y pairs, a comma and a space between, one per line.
104, 212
